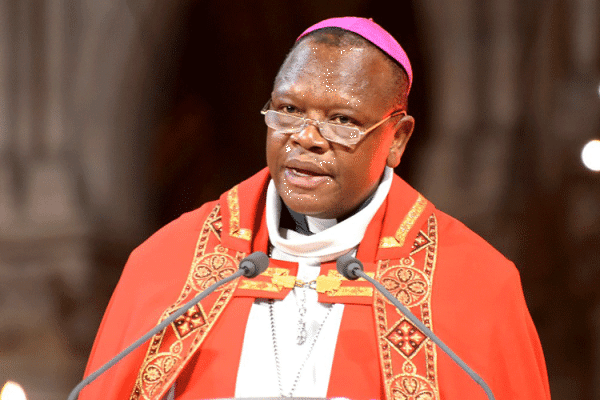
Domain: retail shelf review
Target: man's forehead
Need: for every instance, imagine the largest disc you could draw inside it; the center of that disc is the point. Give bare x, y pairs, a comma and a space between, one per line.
347, 75
332, 59
311, 48
355, 64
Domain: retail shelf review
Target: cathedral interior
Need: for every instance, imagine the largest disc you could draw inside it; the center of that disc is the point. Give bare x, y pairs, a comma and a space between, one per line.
118, 116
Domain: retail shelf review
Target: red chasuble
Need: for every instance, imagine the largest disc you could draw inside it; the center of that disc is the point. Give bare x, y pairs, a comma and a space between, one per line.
449, 277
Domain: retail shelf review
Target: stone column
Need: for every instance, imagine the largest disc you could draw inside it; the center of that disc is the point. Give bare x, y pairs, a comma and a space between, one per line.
7, 198
451, 27
44, 248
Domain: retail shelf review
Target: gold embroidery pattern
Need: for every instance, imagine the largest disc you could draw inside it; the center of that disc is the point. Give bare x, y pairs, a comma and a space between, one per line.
407, 284
234, 218
274, 271
257, 285
384, 347
280, 278
406, 225
212, 268
156, 374
331, 284
387, 242
335, 285
348, 291
405, 337
412, 387
170, 349
421, 242
282, 281
410, 369
431, 258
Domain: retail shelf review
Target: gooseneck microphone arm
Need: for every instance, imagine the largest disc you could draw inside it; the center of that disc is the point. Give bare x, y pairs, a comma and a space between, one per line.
251, 266
351, 268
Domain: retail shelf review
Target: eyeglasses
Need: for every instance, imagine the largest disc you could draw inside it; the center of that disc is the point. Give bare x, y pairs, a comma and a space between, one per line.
347, 135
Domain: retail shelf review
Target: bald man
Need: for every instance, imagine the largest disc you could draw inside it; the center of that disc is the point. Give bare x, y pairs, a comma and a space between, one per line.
337, 126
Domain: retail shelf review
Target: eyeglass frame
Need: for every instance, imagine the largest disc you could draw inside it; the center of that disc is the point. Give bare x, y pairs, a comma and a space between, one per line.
306, 121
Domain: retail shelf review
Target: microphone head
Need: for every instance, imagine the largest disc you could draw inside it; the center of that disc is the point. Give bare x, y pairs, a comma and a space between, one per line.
254, 264
348, 265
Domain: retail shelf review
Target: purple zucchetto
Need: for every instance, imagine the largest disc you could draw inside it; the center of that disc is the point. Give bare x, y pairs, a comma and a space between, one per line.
373, 33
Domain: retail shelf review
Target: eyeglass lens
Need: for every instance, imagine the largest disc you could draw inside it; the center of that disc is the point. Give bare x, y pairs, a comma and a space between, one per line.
292, 124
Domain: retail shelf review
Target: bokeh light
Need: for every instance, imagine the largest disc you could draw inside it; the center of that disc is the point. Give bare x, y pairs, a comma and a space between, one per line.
12, 391
590, 155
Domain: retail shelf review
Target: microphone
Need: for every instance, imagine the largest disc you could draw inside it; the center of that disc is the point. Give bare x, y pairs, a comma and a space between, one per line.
254, 265
351, 268
251, 266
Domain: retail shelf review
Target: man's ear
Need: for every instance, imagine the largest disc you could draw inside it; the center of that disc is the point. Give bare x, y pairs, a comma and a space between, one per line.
403, 130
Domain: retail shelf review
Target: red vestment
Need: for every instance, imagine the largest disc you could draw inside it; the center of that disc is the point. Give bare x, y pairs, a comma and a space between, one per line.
454, 281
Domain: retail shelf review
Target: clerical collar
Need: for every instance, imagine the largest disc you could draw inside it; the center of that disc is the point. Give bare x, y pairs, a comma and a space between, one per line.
293, 221
334, 240
307, 225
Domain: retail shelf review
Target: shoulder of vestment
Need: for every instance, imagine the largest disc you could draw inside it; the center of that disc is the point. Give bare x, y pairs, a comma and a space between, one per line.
471, 253
159, 265
167, 254
188, 224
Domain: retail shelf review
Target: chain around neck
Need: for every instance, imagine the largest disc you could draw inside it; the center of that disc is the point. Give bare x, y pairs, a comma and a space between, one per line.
276, 350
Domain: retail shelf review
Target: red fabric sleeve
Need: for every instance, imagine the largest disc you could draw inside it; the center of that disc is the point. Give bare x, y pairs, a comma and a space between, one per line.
479, 311
151, 281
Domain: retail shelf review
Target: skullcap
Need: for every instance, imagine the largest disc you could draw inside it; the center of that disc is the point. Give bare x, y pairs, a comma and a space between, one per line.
373, 33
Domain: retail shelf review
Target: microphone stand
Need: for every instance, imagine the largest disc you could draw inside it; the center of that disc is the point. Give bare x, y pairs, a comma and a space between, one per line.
250, 267
351, 268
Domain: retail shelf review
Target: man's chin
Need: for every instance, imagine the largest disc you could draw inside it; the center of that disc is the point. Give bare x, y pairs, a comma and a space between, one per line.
312, 207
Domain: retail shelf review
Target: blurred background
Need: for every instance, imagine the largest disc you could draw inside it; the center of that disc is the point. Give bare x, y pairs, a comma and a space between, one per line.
118, 116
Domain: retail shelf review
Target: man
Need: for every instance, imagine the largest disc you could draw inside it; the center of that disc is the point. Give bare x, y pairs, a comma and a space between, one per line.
337, 125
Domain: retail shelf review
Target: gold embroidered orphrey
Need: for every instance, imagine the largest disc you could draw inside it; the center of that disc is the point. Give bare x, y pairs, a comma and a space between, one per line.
409, 220
408, 359
234, 218
174, 346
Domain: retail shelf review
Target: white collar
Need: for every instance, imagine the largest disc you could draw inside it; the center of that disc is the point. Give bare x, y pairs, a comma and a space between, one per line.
336, 238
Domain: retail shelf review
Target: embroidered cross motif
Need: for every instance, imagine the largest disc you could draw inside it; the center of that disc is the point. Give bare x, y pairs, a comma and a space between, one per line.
189, 322
405, 337
421, 241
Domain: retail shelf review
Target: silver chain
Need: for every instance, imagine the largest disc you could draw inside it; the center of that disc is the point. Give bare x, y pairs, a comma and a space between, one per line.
276, 350
302, 333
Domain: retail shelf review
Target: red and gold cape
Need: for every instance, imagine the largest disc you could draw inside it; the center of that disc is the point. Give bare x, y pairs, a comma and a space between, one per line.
455, 282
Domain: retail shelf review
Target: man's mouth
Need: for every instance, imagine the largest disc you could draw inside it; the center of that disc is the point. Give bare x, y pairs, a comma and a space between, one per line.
305, 172
305, 175
306, 167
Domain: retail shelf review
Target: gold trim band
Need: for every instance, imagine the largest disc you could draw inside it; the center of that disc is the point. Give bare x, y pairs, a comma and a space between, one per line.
409, 221
234, 216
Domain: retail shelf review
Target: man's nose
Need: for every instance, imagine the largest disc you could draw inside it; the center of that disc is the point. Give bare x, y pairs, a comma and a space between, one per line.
311, 139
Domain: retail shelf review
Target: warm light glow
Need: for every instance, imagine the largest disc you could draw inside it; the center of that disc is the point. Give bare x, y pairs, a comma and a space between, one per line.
590, 155
12, 391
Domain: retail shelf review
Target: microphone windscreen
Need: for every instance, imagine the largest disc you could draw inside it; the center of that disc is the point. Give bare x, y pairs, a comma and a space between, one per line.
346, 266
255, 264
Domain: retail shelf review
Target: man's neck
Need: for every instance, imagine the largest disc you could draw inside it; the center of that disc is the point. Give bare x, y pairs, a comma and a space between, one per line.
298, 222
